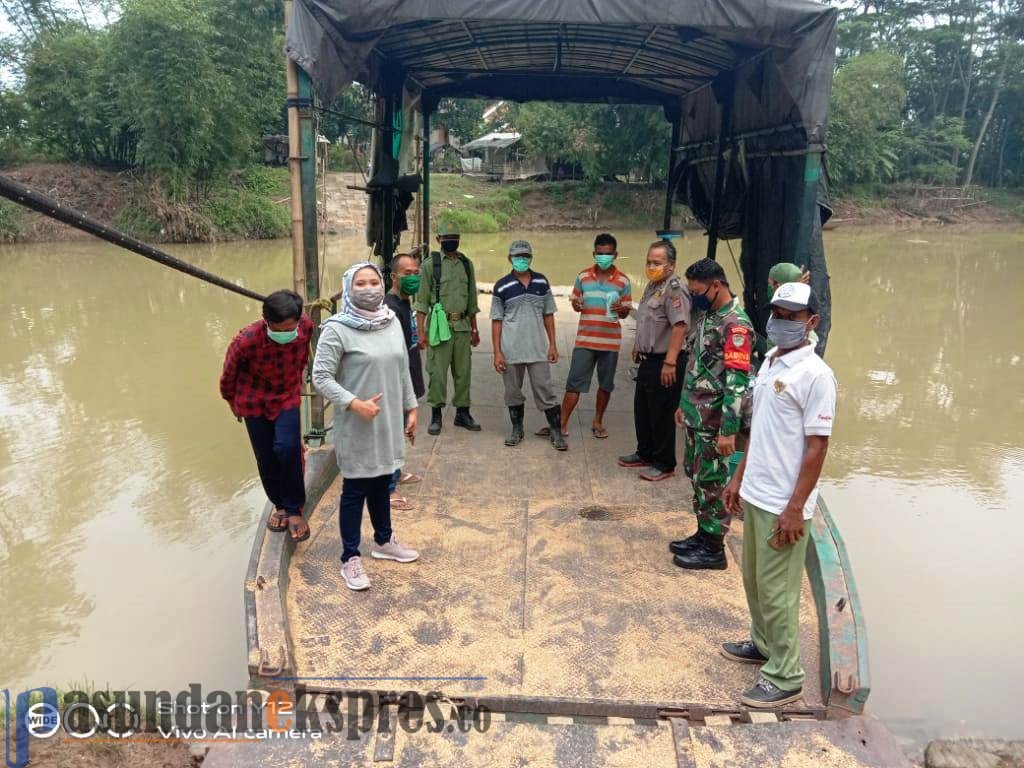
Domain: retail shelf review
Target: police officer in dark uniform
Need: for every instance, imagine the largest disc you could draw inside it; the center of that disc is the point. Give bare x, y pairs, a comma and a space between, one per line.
662, 321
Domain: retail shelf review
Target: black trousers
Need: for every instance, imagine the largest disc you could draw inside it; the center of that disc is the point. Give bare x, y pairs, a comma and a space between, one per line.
277, 444
374, 493
654, 408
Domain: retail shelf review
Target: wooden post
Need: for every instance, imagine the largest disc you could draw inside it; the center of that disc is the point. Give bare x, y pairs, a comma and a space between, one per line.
302, 175
387, 242
425, 202
295, 168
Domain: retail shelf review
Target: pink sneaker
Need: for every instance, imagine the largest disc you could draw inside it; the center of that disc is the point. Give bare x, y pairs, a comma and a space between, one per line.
394, 550
354, 575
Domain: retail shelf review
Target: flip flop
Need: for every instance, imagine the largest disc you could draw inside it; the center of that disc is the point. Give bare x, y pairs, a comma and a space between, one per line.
546, 432
599, 432
292, 527
409, 477
278, 521
400, 503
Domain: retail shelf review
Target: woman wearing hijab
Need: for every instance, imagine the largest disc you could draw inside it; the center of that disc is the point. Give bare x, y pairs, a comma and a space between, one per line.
362, 368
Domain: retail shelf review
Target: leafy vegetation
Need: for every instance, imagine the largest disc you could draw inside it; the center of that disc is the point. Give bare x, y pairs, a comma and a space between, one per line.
10, 221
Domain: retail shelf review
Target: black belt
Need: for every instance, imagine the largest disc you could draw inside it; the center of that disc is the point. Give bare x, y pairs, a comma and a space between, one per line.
651, 355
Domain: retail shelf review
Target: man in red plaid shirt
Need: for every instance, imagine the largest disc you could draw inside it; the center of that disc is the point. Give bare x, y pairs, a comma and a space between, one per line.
262, 382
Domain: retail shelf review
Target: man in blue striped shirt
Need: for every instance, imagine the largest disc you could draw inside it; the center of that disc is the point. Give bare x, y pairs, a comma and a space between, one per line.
523, 333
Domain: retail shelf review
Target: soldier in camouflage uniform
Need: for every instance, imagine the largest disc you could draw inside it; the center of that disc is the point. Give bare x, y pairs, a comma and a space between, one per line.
717, 377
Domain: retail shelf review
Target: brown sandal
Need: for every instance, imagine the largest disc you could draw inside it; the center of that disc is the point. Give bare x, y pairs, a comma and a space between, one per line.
293, 527
278, 521
400, 503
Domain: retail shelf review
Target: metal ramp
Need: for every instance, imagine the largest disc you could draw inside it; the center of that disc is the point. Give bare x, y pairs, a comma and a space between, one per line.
555, 742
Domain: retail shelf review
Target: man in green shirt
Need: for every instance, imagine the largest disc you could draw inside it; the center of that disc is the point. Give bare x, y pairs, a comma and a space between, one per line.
448, 278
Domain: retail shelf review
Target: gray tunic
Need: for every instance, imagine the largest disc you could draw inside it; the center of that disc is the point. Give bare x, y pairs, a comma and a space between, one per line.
352, 364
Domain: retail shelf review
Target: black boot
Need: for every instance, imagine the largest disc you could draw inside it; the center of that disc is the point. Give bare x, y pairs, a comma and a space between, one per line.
708, 554
554, 415
464, 419
515, 413
435, 421
683, 546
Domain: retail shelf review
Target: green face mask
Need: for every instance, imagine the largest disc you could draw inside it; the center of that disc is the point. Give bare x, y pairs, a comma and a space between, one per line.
520, 263
283, 337
409, 284
604, 260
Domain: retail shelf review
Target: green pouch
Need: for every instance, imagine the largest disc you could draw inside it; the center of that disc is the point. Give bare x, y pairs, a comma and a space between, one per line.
438, 331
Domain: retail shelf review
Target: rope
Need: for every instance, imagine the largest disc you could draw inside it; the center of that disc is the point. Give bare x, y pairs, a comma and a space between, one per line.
47, 206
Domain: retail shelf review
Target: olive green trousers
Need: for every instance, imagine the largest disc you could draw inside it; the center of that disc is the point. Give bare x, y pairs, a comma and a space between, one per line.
456, 354
772, 579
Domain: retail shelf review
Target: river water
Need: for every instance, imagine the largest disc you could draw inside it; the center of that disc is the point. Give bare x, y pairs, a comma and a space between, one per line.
128, 494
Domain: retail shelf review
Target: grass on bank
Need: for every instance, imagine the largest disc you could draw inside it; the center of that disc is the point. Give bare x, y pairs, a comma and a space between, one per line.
11, 221
476, 205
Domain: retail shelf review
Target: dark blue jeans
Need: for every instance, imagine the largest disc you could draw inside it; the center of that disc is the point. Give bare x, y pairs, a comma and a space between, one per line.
277, 444
394, 481
355, 491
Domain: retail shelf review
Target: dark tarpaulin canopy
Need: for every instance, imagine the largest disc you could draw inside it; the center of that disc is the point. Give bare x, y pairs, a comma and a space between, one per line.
757, 71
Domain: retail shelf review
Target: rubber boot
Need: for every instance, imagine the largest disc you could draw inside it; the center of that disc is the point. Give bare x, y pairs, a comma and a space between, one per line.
464, 419
706, 555
554, 415
435, 421
515, 413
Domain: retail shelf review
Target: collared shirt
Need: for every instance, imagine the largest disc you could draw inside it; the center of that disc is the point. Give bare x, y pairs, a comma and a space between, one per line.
599, 326
521, 309
794, 396
664, 304
458, 288
262, 377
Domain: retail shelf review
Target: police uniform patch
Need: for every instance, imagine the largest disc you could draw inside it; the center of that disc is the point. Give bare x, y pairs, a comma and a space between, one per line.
780, 386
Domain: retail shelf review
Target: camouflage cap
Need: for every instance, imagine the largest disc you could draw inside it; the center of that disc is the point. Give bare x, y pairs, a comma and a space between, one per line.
520, 248
446, 228
785, 272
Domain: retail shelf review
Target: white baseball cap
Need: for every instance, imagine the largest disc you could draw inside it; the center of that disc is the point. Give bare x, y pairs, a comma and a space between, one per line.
793, 296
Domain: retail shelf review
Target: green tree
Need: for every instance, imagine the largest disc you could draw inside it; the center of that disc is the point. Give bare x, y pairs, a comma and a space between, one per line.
865, 124
70, 99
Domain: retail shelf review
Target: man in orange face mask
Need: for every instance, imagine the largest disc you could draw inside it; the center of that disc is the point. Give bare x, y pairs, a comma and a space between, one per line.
661, 325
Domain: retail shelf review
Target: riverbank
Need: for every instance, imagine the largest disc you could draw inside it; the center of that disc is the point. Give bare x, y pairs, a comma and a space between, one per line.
254, 204
251, 204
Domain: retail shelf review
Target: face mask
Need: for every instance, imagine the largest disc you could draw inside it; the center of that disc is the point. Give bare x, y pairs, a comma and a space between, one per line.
449, 246
283, 337
367, 298
786, 334
520, 263
702, 302
654, 274
604, 260
409, 284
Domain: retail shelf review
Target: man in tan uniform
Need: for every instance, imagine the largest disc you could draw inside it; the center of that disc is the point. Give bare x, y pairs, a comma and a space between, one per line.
662, 320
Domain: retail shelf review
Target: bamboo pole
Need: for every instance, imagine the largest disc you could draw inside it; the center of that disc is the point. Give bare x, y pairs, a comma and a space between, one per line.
295, 167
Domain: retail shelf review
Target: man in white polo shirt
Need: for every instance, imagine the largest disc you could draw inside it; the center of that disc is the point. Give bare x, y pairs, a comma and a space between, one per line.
776, 487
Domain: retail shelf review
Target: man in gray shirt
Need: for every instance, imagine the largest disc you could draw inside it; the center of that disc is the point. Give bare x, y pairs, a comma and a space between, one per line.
523, 332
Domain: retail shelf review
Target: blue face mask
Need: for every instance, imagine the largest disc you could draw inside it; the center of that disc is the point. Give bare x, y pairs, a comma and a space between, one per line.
702, 302
283, 337
521, 263
604, 260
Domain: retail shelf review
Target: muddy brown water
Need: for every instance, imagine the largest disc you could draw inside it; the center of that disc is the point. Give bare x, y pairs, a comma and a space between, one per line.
129, 493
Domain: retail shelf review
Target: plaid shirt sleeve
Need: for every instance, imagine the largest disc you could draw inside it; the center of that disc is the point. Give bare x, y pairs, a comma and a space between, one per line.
229, 376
